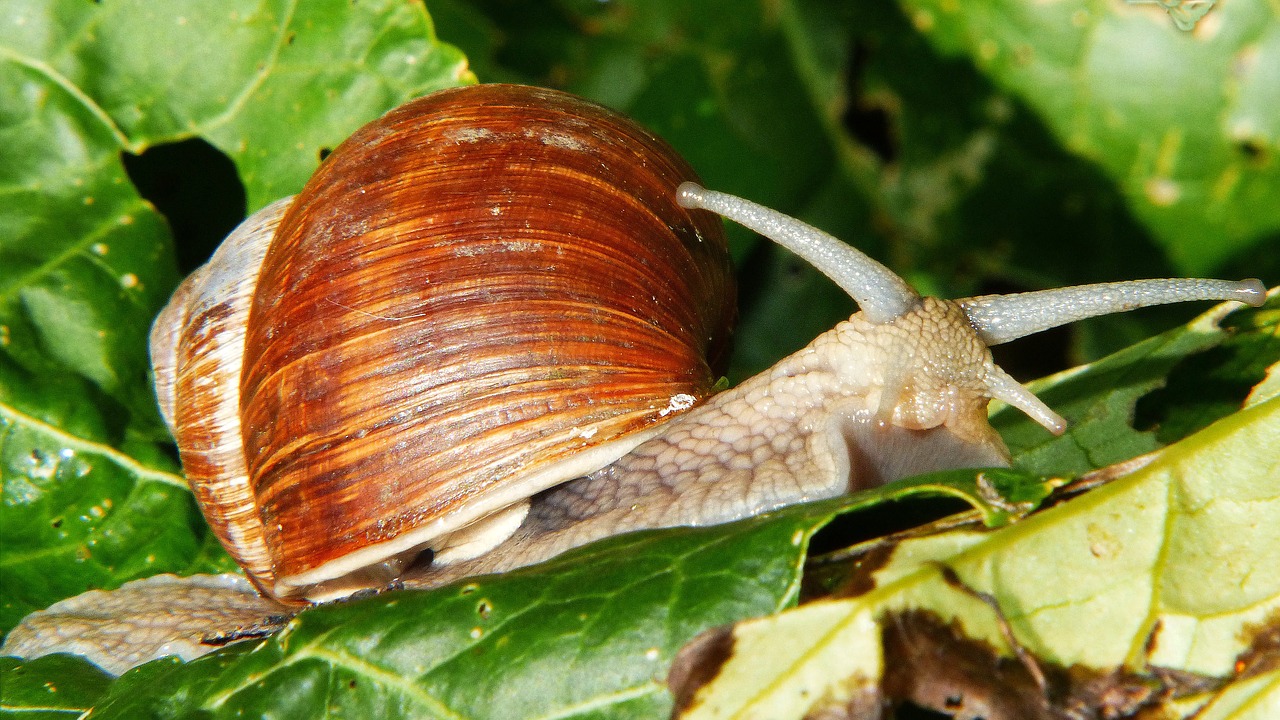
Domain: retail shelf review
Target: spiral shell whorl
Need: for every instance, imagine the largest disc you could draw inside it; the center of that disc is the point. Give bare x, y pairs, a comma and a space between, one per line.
485, 281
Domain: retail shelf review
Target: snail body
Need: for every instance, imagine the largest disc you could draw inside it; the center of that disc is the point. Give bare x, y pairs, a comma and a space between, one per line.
816, 425
488, 331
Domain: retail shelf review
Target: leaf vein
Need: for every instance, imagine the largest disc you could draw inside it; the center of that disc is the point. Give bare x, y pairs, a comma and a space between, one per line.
600, 702
269, 65
74, 91
8, 414
378, 675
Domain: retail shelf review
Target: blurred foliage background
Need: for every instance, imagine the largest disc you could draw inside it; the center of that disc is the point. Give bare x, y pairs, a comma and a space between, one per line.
989, 147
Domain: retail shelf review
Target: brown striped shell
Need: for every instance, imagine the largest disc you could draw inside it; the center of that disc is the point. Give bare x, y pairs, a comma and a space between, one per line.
486, 292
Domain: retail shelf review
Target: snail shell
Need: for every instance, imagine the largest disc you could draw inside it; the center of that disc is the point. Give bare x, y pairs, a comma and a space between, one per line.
484, 293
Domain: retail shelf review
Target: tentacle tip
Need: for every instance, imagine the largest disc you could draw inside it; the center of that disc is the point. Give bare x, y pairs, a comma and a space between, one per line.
1054, 424
690, 195
1044, 416
1251, 292
1004, 388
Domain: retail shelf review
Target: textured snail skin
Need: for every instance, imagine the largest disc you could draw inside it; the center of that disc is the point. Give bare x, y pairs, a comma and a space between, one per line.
144, 620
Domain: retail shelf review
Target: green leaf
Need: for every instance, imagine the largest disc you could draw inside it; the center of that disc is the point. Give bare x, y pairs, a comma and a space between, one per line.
56, 687
90, 494
1099, 399
589, 635
1184, 122
79, 514
1174, 566
590, 632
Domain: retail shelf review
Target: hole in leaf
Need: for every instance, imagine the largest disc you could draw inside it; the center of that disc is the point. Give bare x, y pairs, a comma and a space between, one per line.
881, 520
196, 188
1200, 390
867, 119
1254, 151
324, 153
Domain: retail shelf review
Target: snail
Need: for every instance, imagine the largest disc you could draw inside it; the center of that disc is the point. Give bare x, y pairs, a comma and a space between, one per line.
489, 328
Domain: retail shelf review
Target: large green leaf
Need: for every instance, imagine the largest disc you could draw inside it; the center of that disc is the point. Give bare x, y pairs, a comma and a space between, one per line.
90, 494
589, 634
1184, 122
1175, 566
586, 637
